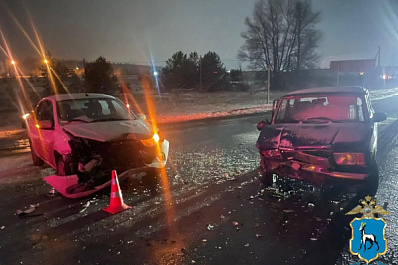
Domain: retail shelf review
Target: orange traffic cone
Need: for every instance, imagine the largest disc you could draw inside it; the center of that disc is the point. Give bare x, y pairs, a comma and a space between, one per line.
116, 205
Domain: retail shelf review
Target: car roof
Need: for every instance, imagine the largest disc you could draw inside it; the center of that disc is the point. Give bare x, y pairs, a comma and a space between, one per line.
61, 97
330, 90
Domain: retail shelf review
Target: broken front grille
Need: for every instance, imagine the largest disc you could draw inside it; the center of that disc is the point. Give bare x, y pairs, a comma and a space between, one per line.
123, 154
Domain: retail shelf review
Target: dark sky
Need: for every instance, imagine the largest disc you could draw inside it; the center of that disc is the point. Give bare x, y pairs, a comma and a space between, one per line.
134, 30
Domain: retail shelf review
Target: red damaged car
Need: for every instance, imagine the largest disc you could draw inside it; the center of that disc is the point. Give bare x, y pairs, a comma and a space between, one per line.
320, 135
90, 135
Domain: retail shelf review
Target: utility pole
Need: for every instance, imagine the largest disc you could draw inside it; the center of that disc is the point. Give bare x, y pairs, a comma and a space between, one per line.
200, 72
268, 82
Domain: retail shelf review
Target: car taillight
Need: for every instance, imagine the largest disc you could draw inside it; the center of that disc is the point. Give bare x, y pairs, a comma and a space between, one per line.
271, 153
349, 158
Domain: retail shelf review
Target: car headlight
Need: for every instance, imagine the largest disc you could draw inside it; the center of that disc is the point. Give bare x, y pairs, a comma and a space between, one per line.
151, 141
349, 158
26, 116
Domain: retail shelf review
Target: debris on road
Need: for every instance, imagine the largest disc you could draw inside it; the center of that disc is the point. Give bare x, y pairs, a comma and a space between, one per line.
247, 244
51, 193
235, 223
310, 204
210, 227
258, 235
2, 228
85, 207
314, 238
31, 209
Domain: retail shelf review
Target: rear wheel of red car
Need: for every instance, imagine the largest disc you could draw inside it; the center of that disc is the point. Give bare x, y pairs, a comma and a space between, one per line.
267, 179
37, 161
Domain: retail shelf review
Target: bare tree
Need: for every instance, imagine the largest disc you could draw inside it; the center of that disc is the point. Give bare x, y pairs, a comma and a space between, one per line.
281, 35
307, 35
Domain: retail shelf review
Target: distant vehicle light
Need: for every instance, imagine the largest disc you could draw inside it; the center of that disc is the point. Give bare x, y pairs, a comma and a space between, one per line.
384, 77
25, 116
155, 73
37, 126
360, 73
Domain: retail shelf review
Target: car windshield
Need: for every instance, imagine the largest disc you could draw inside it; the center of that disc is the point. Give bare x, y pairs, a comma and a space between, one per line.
92, 110
320, 109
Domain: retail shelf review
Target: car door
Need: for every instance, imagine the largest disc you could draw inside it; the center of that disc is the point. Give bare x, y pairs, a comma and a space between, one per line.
45, 136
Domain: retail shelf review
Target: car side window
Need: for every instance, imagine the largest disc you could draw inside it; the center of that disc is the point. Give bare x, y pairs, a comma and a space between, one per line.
282, 110
45, 111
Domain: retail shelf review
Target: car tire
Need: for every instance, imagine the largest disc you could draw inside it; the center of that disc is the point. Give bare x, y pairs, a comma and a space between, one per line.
37, 161
63, 168
266, 179
371, 184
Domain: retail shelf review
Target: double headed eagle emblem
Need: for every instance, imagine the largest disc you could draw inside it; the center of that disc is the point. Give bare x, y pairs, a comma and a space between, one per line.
368, 208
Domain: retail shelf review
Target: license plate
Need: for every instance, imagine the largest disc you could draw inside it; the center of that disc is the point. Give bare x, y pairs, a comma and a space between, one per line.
296, 166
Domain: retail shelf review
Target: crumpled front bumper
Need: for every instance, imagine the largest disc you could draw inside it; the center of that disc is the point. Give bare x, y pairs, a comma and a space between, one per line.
164, 152
314, 173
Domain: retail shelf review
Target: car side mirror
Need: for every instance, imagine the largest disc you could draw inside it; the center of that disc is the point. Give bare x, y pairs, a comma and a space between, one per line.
262, 124
141, 116
379, 116
44, 125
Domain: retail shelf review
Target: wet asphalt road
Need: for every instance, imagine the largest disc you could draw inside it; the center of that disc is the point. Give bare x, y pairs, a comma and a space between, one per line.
218, 213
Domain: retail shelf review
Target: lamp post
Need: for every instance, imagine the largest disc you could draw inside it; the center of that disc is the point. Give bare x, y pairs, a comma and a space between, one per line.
268, 82
13, 63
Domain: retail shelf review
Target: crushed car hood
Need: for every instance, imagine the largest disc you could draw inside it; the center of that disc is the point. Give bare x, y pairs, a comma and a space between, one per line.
110, 130
311, 135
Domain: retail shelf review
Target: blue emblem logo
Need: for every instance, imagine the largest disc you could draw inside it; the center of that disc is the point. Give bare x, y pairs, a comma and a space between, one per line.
368, 233
368, 240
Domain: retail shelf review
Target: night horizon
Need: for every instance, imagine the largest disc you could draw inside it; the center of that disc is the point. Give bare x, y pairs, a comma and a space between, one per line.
139, 32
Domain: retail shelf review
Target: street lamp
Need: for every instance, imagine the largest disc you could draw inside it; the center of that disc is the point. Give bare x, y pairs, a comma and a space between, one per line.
45, 61
12, 62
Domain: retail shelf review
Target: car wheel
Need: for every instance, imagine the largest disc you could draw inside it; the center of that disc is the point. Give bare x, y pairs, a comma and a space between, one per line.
37, 161
63, 168
371, 184
266, 179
